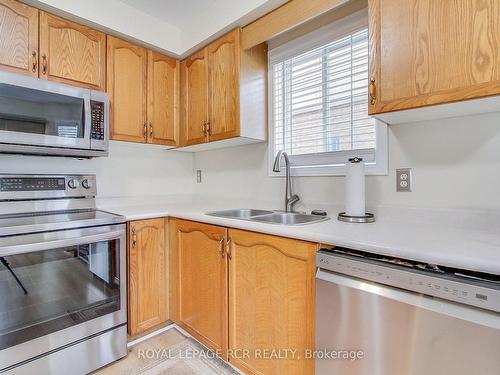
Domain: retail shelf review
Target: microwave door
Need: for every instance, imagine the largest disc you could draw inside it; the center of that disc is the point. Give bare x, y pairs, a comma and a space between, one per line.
42, 113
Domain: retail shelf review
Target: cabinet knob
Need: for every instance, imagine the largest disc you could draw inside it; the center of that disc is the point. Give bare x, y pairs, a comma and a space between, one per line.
221, 247
228, 248
373, 91
134, 237
44, 64
33, 61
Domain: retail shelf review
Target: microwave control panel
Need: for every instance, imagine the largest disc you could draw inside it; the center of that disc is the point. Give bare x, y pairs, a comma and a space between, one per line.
97, 109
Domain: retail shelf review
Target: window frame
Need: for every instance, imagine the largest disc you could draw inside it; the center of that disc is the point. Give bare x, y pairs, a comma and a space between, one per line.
326, 163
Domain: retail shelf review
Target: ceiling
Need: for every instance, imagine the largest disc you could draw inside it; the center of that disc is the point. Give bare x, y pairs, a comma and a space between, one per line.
175, 12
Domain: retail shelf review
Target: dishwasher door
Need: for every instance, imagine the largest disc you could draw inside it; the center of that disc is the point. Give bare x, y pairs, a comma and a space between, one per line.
400, 332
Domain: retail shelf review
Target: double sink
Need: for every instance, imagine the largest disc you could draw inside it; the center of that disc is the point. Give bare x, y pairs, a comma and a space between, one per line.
270, 217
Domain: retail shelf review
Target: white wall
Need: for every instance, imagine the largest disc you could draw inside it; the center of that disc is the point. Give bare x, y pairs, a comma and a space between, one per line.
130, 170
455, 162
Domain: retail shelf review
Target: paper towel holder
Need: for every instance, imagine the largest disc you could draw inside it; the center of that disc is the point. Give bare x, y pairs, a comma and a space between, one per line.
366, 218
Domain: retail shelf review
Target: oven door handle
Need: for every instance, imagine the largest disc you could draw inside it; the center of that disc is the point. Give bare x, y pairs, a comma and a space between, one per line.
52, 240
437, 305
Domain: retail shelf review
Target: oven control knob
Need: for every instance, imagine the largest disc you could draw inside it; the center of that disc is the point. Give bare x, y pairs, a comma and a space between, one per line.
73, 183
87, 184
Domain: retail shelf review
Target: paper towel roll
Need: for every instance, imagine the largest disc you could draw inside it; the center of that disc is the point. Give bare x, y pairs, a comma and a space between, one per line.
355, 188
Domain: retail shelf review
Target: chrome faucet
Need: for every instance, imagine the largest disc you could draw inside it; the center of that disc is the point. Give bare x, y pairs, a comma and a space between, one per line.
290, 198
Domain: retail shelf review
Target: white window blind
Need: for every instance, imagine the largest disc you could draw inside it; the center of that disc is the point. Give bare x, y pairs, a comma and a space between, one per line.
320, 99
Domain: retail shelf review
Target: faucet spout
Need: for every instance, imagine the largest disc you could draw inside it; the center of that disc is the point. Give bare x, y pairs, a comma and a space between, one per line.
290, 198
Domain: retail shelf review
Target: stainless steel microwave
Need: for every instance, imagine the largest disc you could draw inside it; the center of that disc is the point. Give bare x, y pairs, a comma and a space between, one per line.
49, 118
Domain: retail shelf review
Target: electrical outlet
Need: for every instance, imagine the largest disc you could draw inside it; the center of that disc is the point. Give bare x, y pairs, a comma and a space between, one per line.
403, 179
198, 176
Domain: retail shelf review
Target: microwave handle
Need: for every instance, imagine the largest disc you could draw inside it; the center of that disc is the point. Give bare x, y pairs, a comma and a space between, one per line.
53, 240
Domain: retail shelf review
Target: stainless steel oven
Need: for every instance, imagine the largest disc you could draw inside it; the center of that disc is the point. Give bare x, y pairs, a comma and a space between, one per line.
44, 117
62, 277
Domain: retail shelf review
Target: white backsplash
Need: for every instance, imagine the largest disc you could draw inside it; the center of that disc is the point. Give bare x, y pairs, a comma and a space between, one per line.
130, 170
455, 163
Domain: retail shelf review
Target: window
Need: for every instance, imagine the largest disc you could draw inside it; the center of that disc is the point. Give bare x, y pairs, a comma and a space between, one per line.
319, 101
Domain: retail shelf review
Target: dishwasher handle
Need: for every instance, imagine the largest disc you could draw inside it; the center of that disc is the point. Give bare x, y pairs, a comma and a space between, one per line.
437, 305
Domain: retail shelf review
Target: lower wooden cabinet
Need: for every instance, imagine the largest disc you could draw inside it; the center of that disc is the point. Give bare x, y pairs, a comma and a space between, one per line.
200, 272
248, 292
271, 303
148, 274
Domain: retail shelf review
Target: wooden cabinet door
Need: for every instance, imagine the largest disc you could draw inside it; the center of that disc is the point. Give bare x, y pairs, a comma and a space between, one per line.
195, 96
72, 53
271, 301
126, 83
425, 52
224, 86
163, 99
148, 275
19, 37
201, 288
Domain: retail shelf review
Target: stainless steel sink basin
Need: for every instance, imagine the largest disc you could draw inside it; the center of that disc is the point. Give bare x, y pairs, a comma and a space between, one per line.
289, 218
240, 213
271, 217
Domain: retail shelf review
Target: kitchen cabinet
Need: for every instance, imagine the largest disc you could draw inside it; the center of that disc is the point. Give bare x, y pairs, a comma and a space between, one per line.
72, 53
42, 45
126, 83
147, 274
18, 37
163, 99
143, 86
224, 94
200, 282
195, 93
271, 301
244, 291
426, 52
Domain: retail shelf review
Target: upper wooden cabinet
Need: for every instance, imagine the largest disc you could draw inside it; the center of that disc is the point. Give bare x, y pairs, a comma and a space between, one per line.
195, 95
18, 37
224, 83
200, 274
425, 52
271, 301
224, 92
163, 99
144, 94
127, 65
148, 275
72, 53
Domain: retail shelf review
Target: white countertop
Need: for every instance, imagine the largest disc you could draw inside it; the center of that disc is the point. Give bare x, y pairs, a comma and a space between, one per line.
466, 239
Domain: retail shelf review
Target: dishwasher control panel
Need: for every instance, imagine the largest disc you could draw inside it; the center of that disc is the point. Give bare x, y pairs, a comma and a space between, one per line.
449, 287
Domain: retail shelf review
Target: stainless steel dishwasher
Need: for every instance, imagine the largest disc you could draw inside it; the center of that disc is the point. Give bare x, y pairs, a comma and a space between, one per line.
377, 315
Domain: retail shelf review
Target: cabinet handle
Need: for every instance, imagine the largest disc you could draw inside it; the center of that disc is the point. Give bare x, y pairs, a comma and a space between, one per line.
373, 91
134, 237
209, 128
44, 64
150, 130
204, 128
228, 248
33, 61
221, 247
145, 131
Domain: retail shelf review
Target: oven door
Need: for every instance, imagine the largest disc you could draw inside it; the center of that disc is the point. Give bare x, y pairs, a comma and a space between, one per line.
58, 288
37, 112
